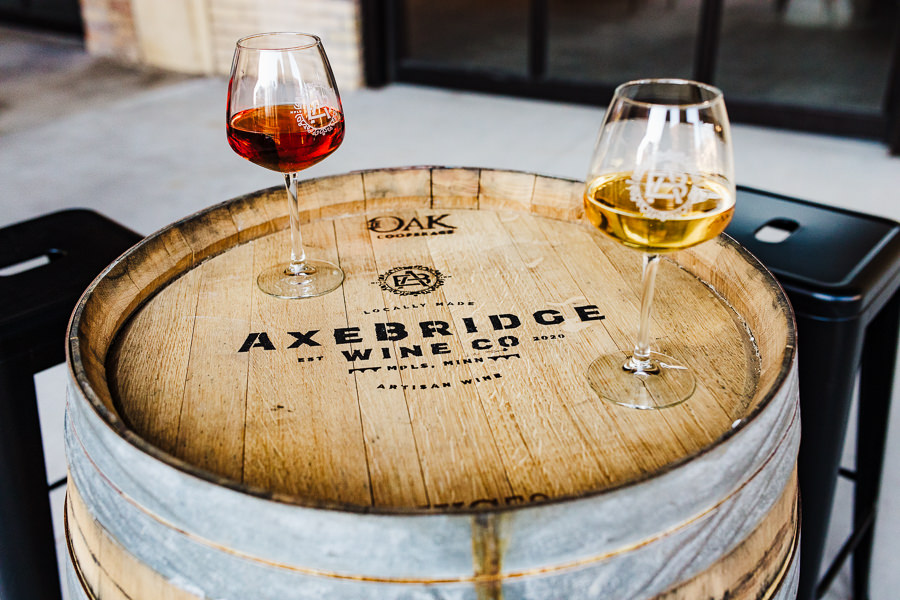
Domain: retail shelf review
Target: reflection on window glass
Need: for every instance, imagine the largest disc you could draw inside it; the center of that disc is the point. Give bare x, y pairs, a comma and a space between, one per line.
831, 54
612, 41
488, 35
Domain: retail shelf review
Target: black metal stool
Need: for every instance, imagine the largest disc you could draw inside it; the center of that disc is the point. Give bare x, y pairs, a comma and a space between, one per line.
67, 250
841, 271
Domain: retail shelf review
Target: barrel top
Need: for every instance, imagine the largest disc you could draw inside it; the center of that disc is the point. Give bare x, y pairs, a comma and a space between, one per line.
448, 370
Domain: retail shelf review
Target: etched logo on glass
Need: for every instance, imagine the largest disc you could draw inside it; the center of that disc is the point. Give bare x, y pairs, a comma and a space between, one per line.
313, 113
663, 190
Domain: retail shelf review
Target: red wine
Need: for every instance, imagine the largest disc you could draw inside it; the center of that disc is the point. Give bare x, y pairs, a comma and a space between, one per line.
286, 138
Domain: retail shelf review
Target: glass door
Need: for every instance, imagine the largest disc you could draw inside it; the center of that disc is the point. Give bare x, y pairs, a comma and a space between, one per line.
828, 66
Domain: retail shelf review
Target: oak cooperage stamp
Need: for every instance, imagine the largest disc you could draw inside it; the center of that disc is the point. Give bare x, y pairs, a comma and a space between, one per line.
393, 226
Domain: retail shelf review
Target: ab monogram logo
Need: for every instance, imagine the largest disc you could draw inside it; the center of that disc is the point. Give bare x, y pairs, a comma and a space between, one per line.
314, 115
663, 190
315, 119
413, 280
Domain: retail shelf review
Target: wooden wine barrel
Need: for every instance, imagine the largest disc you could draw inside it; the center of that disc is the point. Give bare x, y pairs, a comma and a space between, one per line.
427, 430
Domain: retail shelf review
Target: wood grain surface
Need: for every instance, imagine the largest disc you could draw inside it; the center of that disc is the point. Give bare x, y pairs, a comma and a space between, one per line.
448, 370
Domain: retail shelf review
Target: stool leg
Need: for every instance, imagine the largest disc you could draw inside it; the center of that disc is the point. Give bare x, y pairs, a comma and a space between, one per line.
28, 567
876, 380
829, 353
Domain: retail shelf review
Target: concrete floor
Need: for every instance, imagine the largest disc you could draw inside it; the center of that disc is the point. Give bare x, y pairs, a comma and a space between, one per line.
147, 148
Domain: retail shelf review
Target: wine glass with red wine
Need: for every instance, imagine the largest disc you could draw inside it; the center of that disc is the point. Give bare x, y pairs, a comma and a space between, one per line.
284, 114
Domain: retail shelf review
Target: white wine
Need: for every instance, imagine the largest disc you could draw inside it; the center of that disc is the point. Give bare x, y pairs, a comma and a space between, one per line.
661, 179
659, 212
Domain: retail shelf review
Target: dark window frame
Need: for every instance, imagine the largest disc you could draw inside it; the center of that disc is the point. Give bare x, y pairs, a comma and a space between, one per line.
54, 15
386, 60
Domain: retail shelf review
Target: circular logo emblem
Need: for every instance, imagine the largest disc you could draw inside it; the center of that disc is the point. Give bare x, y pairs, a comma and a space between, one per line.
413, 280
664, 189
313, 112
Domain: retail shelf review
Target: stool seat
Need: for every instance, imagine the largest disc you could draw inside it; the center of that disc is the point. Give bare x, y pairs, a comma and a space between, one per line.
835, 264
841, 272
72, 247
78, 243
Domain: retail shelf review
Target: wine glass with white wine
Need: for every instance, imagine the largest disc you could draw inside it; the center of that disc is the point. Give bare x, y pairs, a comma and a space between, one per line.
661, 179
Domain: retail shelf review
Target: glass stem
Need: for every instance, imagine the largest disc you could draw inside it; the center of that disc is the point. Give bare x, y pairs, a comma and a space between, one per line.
640, 359
298, 255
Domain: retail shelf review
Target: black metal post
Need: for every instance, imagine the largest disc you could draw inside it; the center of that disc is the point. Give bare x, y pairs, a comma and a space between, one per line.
876, 380
847, 549
708, 40
374, 45
829, 354
28, 567
538, 26
892, 97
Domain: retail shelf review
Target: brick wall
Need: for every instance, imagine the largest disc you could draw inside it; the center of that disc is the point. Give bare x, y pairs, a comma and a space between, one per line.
337, 22
198, 36
109, 29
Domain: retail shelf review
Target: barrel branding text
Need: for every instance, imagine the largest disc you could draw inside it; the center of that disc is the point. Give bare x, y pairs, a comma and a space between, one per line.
392, 226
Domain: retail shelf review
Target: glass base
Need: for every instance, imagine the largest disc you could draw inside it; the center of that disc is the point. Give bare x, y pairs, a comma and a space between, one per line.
318, 278
666, 383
